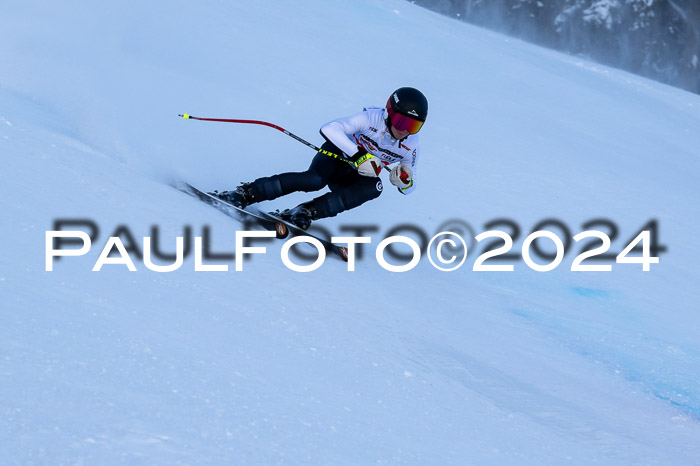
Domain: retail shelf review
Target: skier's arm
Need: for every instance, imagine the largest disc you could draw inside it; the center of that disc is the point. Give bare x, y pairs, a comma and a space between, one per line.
338, 132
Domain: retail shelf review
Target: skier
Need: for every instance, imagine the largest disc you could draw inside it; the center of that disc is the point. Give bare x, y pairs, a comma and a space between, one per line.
349, 162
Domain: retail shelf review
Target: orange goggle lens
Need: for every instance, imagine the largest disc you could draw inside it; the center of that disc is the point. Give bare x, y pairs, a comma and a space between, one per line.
405, 123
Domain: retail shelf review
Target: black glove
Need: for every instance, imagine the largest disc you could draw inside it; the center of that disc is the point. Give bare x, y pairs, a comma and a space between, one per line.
356, 156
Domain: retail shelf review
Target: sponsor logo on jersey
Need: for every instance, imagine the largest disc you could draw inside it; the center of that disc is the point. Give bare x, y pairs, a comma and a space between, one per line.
368, 143
380, 187
376, 147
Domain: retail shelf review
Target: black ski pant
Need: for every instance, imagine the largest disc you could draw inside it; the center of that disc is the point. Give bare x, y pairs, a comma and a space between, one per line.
348, 189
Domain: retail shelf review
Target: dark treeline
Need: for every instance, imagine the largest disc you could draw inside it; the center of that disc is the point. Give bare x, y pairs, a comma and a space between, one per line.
659, 39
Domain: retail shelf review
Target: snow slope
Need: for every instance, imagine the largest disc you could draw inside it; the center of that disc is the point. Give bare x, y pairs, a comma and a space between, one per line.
268, 365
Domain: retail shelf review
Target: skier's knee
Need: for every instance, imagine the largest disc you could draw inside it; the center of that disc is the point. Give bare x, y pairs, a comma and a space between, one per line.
314, 181
371, 188
377, 190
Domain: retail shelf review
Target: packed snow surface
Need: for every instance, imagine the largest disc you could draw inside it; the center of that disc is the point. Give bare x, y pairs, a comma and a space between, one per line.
272, 366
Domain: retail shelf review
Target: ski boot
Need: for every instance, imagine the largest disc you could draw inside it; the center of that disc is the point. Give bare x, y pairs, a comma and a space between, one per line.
301, 215
241, 197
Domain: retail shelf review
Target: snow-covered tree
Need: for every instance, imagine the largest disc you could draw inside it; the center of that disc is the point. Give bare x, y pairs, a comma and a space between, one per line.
656, 38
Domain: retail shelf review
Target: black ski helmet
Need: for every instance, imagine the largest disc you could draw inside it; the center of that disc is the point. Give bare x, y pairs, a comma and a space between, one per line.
410, 103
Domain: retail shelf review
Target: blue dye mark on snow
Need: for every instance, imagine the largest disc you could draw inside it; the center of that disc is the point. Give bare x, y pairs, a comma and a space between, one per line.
522, 313
590, 292
665, 377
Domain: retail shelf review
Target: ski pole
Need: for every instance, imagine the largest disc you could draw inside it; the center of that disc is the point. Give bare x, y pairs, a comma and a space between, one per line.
278, 128
254, 122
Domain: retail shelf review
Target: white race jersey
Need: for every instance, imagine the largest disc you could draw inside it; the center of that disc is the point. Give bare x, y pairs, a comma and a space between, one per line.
368, 130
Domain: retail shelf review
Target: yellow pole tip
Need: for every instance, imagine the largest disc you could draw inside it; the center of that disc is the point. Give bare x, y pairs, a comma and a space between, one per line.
185, 116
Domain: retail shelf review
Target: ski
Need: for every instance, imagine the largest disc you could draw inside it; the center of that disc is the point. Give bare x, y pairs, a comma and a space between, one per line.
340, 252
231, 210
268, 221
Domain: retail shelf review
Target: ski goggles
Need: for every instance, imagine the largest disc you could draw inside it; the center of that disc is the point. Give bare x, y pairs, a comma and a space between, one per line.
404, 123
